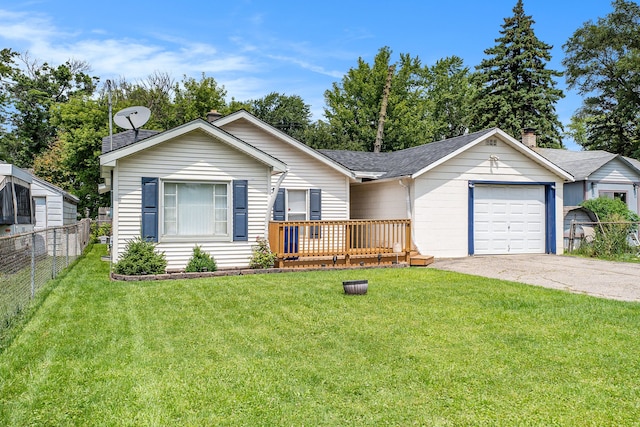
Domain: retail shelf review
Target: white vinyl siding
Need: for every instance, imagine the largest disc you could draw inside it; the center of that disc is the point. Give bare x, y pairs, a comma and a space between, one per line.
195, 157
379, 200
305, 172
441, 195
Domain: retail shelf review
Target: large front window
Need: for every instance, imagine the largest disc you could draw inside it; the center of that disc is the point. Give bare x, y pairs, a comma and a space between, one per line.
195, 209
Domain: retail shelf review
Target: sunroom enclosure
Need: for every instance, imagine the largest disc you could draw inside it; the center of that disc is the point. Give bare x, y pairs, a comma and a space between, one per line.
340, 243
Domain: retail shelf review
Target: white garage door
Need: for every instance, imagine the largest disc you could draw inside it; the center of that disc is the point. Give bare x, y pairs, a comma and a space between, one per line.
509, 219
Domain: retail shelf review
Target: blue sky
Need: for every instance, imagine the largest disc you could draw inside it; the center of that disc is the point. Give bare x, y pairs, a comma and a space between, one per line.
292, 47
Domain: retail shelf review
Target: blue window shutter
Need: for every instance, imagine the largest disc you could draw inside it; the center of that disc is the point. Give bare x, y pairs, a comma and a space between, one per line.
150, 209
315, 204
315, 210
279, 214
240, 210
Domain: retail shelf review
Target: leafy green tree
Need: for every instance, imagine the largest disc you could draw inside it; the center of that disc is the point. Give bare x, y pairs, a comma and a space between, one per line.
288, 113
449, 97
72, 160
194, 99
603, 62
353, 106
155, 92
515, 89
32, 91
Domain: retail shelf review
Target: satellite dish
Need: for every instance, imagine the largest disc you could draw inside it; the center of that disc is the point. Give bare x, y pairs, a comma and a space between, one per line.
132, 117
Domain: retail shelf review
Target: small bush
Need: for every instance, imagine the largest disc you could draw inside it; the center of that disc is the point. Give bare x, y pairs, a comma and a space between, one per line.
98, 230
604, 208
201, 261
611, 237
262, 256
140, 258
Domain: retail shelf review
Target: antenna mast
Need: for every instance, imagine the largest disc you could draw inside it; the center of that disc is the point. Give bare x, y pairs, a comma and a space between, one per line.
110, 118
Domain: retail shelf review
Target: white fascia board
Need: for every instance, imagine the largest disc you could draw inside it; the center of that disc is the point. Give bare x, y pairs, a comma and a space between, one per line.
242, 114
509, 140
371, 175
8, 169
110, 159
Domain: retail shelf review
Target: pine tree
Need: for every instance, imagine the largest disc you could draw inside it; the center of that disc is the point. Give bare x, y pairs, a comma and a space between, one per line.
516, 90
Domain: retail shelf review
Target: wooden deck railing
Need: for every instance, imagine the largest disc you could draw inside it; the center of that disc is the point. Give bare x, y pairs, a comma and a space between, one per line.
306, 243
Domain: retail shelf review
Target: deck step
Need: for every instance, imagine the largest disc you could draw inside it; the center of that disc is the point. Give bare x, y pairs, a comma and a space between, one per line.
421, 260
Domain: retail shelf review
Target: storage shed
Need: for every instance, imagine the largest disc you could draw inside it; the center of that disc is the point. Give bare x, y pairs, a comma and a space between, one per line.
53, 207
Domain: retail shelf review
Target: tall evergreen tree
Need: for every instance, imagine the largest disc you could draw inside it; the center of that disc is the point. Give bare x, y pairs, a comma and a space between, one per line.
516, 90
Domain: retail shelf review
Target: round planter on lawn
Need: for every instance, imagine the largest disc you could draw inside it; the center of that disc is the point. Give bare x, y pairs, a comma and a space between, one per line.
355, 287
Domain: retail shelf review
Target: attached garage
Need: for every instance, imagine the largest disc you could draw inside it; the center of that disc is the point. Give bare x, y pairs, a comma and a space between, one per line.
508, 219
480, 193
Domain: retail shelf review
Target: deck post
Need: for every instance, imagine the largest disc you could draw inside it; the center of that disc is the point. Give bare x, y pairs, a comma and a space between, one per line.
408, 241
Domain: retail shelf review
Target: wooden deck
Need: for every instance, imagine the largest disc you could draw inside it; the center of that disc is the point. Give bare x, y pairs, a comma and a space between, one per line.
341, 243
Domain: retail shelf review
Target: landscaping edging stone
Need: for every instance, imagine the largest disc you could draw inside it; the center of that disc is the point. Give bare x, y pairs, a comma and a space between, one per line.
239, 272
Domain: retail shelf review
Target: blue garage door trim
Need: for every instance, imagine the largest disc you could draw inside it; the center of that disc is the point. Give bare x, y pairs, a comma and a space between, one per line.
550, 211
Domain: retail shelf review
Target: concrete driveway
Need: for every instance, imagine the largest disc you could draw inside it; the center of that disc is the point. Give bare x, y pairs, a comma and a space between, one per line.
605, 279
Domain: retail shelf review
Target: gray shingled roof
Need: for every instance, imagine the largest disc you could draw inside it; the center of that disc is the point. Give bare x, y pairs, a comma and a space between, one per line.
404, 162
580, 164
634, 162
128, 137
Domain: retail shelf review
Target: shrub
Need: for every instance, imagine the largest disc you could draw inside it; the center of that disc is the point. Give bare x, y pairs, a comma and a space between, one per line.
201, 261
611, 237
262, 256
98, 230
140, 258
605, 208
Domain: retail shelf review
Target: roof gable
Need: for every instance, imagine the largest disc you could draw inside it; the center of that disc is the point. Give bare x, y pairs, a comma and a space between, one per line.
292, 142
415, 161
583, 164
109, 159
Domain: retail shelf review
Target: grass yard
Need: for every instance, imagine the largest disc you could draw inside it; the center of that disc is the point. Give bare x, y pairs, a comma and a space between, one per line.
423, 347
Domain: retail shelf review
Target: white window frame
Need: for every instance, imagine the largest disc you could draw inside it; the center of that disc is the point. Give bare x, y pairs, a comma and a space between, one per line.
195, 237
306, 205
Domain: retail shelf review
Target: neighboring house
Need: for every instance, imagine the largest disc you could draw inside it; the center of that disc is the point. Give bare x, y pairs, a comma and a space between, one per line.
53, 207
217, 186
482, 193
597, 174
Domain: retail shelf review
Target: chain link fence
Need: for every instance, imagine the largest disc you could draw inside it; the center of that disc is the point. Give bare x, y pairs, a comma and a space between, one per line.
28, 261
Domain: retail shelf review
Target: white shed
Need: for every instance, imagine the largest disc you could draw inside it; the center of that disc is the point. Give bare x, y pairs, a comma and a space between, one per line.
53, 207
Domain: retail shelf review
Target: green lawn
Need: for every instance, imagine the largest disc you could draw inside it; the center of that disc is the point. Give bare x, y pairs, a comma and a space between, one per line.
423, 347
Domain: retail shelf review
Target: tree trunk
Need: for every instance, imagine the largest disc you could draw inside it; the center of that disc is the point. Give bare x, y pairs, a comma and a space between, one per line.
377, 146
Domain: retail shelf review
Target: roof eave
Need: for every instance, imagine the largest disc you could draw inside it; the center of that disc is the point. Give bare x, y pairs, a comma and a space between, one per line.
514, 143
110, 159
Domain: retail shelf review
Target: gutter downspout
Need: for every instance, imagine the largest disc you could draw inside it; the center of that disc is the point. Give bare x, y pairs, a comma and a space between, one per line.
271, 202
410, 213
